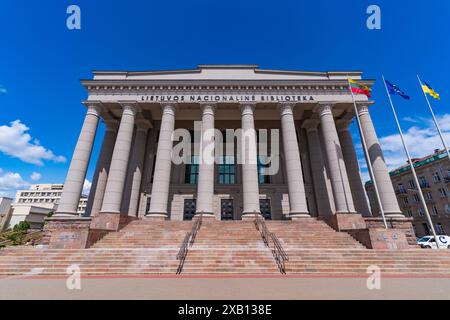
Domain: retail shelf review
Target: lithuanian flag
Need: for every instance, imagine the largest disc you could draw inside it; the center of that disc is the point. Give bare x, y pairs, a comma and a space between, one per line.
359, 88
428, 89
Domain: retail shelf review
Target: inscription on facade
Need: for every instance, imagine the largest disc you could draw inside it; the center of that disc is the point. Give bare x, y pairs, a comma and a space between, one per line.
227, 98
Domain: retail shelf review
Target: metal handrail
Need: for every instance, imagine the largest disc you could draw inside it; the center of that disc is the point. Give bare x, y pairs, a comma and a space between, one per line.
279, 254
182, 253
188, 242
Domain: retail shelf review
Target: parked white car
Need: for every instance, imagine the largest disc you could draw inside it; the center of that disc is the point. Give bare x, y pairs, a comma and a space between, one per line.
428, 242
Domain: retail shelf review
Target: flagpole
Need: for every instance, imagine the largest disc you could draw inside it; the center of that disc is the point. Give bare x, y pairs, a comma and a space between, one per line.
411, 164
368, 161
434, 118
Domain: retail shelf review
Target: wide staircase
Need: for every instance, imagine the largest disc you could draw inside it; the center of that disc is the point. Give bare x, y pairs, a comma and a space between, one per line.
307, 247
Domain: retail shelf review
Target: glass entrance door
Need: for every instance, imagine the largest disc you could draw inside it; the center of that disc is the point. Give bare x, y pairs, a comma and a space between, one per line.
227, 209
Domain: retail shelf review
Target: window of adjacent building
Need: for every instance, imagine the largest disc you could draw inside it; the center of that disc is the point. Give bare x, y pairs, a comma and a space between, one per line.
423, 182
416, 198
434, 211
428, 195
421, 213
409, 213
405, 201
442, 192
426, 228
263, 165
436, 177
190, 206
440, 228
191, 174
411, 184
227, 170
401, 188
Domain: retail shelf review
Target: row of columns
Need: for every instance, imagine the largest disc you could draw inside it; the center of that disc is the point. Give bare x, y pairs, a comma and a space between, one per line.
110, 178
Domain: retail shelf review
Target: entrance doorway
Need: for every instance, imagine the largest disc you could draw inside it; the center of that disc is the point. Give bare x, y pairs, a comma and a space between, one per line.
227, 209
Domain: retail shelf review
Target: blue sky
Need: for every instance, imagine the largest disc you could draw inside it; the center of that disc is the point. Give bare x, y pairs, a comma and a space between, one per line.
41, 61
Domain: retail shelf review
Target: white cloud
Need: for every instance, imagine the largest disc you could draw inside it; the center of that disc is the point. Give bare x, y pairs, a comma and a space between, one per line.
10, 182
35, 176
3, 90
86, 187
16, 142
421, 138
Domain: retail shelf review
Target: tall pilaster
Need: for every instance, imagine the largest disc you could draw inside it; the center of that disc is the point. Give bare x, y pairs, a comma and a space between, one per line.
354, 174
339, 178
296, 185
102, 169
205, 188
318, 169
73, 185
163, 165
250, 184
119, 163
133, 182
380, 170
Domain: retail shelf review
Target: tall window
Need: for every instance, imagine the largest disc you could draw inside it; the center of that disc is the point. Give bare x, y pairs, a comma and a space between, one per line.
411, 184
440, 228
191, 175
416, 198
262, 166
434, 211
436, 177
227, 170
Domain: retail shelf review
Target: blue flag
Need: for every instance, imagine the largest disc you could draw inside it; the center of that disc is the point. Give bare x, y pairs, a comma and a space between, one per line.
394, 90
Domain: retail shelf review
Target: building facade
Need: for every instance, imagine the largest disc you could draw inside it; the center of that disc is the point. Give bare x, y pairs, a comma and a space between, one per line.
433, 172
315, 173
46, 196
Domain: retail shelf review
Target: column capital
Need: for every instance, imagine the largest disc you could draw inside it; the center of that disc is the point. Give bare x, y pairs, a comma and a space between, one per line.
208, 108
94, 107
310, 125
323, 108
286, 108
247, 108
363, 107
130, 107
143, 125
169, 108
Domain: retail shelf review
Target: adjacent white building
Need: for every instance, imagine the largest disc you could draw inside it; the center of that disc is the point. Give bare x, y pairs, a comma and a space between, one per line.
35, 204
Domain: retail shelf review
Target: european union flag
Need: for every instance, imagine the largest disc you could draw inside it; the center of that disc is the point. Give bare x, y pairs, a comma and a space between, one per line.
394, 90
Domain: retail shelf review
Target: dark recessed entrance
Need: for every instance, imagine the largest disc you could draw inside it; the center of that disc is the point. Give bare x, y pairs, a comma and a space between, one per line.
227, 209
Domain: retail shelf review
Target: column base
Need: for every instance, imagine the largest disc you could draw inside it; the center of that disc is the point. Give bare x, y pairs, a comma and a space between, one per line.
381, 238
398, 223
110, 221
345, 221
299, 215
205, 216
66, 232
251, 216
156, 216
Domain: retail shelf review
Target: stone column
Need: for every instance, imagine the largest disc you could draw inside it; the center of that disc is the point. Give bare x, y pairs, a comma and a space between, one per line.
354, 174
339, 178
250, 183
205, 188
380, 171
318, 169
133, 182
163, 165
102, 169
119, 163
70, 197
296, 185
